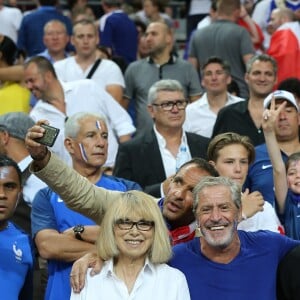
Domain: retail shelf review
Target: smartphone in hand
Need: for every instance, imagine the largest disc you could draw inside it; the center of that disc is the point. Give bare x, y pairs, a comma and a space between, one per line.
49, 137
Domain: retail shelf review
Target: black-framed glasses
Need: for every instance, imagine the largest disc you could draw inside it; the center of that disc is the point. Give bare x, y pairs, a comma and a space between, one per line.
169, 105
142, 225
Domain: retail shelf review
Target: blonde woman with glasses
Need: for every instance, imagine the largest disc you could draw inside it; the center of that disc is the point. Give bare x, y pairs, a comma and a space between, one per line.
135, 246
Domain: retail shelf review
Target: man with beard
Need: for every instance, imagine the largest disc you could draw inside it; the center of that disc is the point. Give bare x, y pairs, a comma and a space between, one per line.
245, 117
224, 263
160, 64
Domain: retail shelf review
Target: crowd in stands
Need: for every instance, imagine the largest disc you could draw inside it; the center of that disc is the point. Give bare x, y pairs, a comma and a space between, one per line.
173, 173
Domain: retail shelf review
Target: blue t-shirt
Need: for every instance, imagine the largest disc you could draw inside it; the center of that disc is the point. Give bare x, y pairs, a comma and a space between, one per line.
120, 34
50, 212
250, 275
260, 174
291, 217
16, 264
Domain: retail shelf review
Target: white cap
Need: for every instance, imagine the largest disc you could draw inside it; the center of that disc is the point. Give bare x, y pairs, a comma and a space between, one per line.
280, 94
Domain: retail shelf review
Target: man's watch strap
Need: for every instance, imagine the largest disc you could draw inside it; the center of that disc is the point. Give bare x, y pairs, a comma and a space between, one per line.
78, 230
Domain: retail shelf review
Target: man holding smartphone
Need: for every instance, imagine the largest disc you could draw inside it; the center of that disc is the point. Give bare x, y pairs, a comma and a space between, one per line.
62, 235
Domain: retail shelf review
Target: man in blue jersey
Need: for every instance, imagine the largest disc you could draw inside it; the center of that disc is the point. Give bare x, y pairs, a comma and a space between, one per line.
60, 234
16, 259
224, 263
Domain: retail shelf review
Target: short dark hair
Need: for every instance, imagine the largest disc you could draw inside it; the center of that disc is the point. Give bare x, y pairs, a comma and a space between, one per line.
233, 88
201, 164
227, 7
112, 3
9, 50
42, 63
48, 2
291, 85
217, 60
6, 161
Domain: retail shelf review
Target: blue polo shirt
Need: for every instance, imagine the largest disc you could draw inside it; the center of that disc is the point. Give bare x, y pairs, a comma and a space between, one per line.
260, 174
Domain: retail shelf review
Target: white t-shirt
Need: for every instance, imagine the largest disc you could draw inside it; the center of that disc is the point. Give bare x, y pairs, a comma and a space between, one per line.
154, 282
262, 220
107, 72
86, 96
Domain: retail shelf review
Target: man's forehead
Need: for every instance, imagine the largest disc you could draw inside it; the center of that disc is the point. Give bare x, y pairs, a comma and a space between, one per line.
8, 173
155, 27
170, 94
83, 28
262, 65
215, 192
193, 171
213, 65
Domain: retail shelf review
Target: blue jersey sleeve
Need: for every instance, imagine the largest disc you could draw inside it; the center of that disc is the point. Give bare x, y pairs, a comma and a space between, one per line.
42, 214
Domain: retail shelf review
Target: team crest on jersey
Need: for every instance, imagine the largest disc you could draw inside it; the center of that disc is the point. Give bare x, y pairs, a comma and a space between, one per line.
17, 251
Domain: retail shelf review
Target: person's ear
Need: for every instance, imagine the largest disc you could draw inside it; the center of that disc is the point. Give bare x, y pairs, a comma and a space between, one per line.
211, 162
4, 137
69, 145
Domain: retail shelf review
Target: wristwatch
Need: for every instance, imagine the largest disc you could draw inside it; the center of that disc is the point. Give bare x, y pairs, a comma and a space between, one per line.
78, 230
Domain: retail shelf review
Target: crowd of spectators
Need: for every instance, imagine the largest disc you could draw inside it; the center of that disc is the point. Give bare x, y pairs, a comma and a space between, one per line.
207, 129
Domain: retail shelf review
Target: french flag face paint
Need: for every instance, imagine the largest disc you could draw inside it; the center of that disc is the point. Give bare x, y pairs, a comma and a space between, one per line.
83, 153
98, 125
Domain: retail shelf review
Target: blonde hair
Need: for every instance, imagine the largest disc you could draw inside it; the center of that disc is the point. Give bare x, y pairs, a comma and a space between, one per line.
141, 205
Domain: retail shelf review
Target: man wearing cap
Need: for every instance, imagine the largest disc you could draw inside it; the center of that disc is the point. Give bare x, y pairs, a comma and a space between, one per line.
260, 175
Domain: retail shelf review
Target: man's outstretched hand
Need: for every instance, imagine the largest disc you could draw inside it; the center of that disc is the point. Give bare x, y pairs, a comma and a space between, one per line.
37, 151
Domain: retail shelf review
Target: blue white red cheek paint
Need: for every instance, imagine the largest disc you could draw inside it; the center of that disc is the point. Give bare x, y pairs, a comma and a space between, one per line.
83, 153
98, 125
4, 172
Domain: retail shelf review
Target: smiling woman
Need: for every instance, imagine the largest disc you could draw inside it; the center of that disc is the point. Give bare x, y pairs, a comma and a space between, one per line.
135, 245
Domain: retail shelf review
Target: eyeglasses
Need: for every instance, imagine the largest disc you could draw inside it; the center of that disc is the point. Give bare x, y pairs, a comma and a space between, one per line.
140, 225
167, 106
